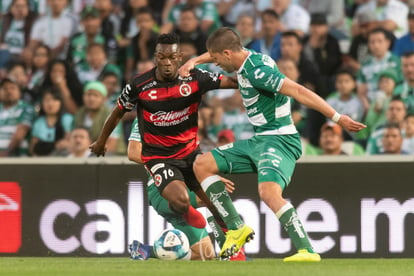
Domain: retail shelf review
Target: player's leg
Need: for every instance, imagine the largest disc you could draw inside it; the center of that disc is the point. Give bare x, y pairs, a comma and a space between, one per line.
275, 168
206, 167
170, 182
200, 243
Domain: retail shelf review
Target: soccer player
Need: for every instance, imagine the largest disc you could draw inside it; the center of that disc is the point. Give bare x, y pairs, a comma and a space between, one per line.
167, 109
200, 243
272, 152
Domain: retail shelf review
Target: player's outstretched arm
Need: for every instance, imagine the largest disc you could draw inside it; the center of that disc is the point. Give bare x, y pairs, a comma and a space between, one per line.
98, 147
312, 100
185, 69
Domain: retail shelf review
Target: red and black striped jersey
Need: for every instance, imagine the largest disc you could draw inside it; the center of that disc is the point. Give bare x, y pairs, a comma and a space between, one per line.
167, 111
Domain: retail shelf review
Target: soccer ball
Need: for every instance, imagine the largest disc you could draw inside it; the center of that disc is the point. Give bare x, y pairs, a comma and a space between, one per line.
171, 244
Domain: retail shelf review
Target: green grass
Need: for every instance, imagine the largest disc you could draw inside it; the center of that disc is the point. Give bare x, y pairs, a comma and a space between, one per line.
124, 266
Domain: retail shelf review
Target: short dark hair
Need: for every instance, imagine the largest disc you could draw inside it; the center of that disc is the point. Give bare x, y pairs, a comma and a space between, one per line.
393, 125
146, 10
292, 34
170, 38
270, 12
224, 39
408, 54
345, 71
383, 31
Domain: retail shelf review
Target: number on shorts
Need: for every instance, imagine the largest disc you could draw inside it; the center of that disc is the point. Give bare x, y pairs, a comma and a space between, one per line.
168, 173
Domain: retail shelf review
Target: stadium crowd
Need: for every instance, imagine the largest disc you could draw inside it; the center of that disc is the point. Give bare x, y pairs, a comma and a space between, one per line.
63, 64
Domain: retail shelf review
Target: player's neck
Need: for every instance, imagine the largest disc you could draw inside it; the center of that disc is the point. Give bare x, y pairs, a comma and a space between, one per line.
239, 58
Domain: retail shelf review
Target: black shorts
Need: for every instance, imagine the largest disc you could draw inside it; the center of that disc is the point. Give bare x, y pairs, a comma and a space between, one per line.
164, 171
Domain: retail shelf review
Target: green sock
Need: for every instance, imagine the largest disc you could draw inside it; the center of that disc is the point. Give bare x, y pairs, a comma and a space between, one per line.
216, 191
217, 231
289, 219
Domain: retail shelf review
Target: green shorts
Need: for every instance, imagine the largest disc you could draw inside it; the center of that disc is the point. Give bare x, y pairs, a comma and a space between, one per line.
272, 157
161, 205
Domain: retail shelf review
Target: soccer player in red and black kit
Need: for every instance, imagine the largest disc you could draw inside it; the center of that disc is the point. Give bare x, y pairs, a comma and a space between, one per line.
167, 110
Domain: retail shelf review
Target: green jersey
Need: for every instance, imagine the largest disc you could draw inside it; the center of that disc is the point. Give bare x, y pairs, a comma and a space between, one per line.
21, 113
259, 82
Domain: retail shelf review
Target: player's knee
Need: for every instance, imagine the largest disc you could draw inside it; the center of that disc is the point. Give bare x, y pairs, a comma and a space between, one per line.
269, 191
181, 203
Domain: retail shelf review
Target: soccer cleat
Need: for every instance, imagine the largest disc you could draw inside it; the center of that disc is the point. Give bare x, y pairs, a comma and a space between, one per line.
235, 239
138, 251
303, 255
194, 218
239, 256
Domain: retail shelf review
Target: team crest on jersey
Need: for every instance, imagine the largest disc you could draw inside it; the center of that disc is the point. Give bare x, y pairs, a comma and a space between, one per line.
185, 89
158, 180
243, 82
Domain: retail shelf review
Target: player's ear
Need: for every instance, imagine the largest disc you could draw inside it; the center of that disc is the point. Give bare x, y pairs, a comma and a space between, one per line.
227, 53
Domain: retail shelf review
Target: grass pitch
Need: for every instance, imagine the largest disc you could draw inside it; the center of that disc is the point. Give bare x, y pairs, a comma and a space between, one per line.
123, 266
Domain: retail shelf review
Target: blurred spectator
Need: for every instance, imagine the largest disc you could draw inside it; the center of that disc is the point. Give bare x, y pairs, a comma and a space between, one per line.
387, 81
230, 10
17, 72
144, 65
331, 139
113, 88
406, 89
288, 68
157, 7
97, 64
16, 117
93, 113
129, 27
396, 113
405, 43
40, 61
269, 43
358, 51
233, 116
392, 140
60, 76
245, 25
205, 142
344, 99
50, 131
224, 137
90, 33
206, 13
291, 48
322, 49
110, 26
15, 32
334, 11
53, 29
390, 14
143, 44
380, 58
293, 16
408, 141
79, 141
188, 49
188, 27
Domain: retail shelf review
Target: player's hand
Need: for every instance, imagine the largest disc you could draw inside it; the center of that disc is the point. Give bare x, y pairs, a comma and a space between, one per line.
98, 148
228, 184
350, 125
185, 69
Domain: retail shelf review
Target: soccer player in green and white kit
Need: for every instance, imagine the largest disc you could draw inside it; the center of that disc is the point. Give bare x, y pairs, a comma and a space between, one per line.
200, 243
272, 152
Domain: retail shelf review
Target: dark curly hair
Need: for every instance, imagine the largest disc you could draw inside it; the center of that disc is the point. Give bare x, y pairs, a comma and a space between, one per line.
171, 38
